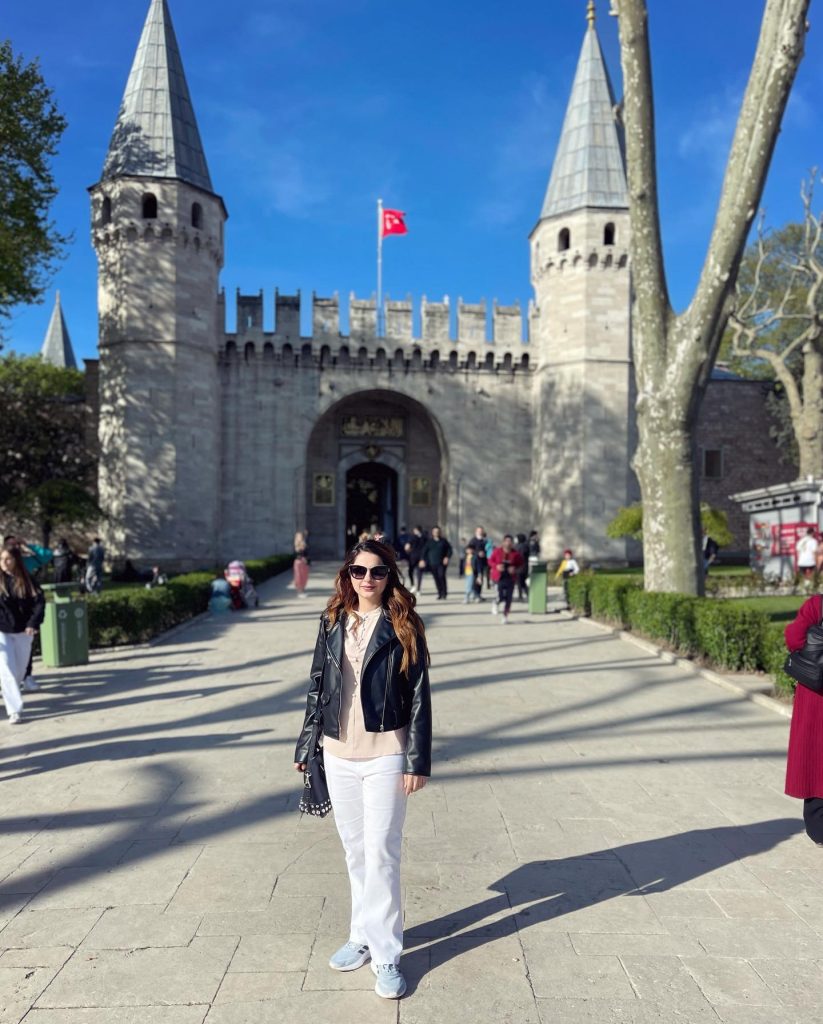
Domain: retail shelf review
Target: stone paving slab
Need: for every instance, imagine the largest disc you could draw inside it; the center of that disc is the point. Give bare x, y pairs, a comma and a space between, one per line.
605, 838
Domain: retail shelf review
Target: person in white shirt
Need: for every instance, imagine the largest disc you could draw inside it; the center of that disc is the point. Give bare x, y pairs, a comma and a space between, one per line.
806, 551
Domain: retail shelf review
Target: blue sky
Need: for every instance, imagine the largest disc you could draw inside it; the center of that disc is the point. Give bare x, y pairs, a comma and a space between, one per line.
450, 111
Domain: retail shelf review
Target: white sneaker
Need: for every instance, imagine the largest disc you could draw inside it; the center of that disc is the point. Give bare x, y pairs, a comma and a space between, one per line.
30, 684
390, 982
494, 607
350, 956
505, 620
15, 719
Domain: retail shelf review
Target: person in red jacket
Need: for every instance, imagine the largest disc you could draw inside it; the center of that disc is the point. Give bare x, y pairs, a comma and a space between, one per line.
804, 764
504, 565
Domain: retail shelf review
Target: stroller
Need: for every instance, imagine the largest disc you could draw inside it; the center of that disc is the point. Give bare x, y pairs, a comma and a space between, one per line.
242, 592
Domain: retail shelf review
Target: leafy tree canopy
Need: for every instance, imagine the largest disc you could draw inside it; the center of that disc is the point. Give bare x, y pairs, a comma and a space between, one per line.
30, 130
47, 466
629, 523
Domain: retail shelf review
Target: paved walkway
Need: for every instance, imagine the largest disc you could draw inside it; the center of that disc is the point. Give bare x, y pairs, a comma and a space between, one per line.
605, 839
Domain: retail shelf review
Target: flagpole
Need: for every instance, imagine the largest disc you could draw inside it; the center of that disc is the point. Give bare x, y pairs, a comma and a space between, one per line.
379, 267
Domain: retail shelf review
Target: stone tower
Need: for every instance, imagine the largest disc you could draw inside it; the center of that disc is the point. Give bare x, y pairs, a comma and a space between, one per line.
581, 329
157, 229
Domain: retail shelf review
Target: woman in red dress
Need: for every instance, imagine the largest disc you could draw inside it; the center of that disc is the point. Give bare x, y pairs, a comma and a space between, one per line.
804, 768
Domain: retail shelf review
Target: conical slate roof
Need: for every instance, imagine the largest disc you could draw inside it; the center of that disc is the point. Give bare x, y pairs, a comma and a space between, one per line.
156, 132
589, 169
57, 348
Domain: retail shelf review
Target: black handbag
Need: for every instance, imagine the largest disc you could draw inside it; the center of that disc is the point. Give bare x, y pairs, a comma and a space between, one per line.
315, 799
806, 665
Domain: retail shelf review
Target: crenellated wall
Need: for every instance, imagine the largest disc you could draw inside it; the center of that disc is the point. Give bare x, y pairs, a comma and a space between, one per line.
396, 349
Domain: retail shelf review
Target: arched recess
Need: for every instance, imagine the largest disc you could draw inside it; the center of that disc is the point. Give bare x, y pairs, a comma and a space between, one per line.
381, 427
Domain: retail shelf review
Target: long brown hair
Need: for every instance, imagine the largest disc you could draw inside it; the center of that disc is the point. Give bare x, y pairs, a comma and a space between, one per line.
396, 600
22, 584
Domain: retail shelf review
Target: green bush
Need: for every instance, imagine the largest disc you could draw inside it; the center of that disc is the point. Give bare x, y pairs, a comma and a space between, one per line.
772, 657
135, 616
579, 588
668, 618
607, 597
730, 636
727, 633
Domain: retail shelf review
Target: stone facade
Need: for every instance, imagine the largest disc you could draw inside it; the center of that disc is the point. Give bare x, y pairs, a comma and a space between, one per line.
735, 450
216, 445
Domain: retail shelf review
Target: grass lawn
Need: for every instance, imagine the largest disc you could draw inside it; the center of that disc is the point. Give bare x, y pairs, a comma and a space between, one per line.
779, 609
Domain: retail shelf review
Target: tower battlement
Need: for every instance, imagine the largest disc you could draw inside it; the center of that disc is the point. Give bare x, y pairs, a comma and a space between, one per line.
396, 347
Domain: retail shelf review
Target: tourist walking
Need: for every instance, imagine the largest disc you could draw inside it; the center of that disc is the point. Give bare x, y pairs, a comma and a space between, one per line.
522, 548
64, 559
468, 570
806, 550
478, 545
416, 563
804, 764
369, 683
94, 567
300, 566
21, 613
436, 554
568, 567
504, 565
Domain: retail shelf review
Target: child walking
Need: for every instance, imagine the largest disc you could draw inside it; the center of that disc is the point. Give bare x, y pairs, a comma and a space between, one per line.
469, 571
21, 612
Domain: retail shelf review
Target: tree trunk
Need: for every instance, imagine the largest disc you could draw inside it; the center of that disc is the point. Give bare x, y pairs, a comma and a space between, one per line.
674, 355
664, 464
808, 427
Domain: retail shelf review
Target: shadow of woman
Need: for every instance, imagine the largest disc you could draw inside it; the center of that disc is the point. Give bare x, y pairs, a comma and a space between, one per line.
544, 890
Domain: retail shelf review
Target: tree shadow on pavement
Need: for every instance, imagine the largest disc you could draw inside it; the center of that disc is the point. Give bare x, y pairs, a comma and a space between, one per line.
543, 891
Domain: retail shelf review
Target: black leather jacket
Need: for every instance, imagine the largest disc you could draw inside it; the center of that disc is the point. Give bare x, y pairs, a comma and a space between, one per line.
390, 699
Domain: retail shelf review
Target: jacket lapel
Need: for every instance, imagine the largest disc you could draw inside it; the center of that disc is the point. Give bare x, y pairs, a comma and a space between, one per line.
383, 634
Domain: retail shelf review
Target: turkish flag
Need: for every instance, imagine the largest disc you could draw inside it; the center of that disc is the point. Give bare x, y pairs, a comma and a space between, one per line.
393, 223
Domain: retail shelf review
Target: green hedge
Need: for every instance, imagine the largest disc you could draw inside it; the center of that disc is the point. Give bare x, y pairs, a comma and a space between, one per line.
773, 657
731, 637
135, 616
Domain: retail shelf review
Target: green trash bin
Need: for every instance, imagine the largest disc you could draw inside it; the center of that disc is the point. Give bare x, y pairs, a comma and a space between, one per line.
64, 635
538, 582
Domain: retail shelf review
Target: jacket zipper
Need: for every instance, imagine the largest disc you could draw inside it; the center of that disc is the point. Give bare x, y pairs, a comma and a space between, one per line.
340, 670
386, 692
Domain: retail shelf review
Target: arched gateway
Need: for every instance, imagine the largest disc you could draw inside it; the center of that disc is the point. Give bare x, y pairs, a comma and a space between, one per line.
374, 459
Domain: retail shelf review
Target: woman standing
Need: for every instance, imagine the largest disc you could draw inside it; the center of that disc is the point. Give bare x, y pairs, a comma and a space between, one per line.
804, 766
21, 612
370, 684
300, 567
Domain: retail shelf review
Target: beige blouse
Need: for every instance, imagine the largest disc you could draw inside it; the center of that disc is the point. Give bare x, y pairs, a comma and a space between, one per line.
355, 743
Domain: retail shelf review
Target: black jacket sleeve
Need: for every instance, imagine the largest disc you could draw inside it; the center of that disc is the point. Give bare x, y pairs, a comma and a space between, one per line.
38, 611
301, 751
418, 756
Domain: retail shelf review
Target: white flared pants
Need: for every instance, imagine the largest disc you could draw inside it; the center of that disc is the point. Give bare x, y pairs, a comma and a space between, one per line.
369, 810
15, 649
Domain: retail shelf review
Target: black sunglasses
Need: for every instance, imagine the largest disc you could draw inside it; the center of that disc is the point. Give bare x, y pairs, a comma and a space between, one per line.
378, 572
